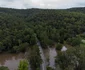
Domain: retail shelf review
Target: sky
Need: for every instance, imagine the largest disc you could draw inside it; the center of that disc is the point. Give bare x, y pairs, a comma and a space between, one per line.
46, 4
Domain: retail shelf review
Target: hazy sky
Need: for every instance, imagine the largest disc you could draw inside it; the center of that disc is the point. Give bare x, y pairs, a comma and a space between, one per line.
51, 4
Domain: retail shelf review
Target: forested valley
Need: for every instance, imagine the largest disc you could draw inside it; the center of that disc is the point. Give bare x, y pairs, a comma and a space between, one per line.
22, 29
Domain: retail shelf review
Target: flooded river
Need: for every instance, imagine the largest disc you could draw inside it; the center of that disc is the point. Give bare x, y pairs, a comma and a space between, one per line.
52, 55
43, 65
48, 57
11, 60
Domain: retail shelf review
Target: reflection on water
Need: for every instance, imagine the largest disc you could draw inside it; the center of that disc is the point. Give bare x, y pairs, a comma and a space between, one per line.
11, 60
63, 48
50, 55
43, 66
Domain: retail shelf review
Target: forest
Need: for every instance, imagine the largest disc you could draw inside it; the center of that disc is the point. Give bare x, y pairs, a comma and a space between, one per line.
21, 29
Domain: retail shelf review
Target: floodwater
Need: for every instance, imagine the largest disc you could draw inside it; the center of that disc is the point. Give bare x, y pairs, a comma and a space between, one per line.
50, 55
11, 60
63, 48
43, 65
47, 55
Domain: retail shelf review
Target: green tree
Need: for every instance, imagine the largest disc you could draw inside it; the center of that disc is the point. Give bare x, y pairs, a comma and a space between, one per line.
59, 47
72, 59
34, 58
76, 41
3, 68
23, 65
1, 47
49, 68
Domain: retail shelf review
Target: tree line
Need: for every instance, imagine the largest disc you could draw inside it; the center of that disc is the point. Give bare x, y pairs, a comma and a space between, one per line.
19, 29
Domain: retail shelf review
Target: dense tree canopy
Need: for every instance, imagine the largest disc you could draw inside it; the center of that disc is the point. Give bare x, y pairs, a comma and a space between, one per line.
35, 58
72, 59
3, 68
19, 29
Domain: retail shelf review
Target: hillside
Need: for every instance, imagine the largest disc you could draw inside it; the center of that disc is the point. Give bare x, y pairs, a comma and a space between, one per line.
77, 9
23, 27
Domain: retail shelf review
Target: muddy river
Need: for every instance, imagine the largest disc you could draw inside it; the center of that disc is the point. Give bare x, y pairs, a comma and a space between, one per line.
11, 60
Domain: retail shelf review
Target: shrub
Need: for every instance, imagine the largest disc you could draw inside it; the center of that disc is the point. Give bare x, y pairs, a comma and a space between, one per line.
23, 65
3, 68
59, 47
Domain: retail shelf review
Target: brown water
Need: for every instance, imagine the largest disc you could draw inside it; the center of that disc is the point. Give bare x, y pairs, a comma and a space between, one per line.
11, 60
